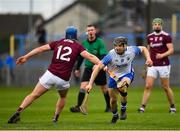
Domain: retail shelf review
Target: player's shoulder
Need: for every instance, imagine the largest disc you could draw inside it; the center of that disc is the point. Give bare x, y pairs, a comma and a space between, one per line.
165, 33
151, 34
77, 42
131, 47
135, 49
112, 51
99, 40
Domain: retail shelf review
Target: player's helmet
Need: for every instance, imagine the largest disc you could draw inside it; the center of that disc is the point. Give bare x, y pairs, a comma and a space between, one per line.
120, 40
157, 20
71, 33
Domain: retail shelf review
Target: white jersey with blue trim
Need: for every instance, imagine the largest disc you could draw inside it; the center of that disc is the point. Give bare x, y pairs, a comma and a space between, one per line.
121, 64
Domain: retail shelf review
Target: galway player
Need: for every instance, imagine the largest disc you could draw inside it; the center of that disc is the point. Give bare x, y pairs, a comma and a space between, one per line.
66, 51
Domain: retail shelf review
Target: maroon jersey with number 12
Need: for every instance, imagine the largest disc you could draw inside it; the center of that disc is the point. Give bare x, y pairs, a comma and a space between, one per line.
65, 55
158, 44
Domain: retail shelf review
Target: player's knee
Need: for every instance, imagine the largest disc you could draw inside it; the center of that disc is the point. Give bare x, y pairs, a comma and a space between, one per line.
166, 88
113, 100
148, 85
104, 89
123, 87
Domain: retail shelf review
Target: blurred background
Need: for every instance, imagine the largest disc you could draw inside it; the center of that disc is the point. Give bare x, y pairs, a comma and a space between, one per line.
26, 24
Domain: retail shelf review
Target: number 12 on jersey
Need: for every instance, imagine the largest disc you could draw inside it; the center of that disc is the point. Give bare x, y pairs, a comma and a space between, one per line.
64, 56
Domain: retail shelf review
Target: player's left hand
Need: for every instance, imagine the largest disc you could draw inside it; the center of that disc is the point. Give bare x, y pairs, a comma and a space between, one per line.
159, 56
149, 62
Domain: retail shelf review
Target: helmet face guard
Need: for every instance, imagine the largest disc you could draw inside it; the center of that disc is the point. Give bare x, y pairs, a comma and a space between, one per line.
71, 33
120, 41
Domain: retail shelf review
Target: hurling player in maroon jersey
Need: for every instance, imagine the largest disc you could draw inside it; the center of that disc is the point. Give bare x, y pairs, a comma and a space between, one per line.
65, 53
160, 47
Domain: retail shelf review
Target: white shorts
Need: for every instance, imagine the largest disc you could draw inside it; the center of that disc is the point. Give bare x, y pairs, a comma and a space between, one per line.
162, 71
48, 80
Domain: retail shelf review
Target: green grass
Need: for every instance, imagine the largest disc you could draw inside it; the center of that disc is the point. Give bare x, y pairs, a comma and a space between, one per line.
40, 113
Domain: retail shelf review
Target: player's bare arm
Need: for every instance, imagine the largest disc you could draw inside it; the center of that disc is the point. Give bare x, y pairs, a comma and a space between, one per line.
94, 75
169, 52
23, 59
145, 51
90, 57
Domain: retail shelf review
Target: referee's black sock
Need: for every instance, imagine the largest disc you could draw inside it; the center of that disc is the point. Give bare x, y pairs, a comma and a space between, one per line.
107, 99
81, 97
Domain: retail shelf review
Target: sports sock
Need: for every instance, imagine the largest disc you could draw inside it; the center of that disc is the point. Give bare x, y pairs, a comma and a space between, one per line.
143, 106
115, 112
107, 99
172, 106
81, 97
19, 110
123, 106
56, 117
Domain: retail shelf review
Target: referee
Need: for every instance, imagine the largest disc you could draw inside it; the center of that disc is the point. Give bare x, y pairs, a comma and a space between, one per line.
96, 46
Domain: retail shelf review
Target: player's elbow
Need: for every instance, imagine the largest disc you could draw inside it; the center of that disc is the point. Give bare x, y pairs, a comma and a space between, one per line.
101, 65
172, 51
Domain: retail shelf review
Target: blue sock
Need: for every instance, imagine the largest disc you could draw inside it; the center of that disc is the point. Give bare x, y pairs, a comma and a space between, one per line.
123, 106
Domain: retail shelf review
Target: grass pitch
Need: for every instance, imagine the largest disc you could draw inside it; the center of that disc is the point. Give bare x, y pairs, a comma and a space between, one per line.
39, 115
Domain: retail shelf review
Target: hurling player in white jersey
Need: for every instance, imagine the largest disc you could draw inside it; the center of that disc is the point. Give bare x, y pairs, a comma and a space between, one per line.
118, 64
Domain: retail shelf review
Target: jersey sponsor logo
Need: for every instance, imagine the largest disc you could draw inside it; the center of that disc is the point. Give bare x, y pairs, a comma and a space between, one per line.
123, 65
116, 60
155, 44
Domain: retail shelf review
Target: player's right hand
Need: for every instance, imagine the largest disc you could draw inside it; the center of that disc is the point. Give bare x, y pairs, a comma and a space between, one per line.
149, 62
21, 60
88, 88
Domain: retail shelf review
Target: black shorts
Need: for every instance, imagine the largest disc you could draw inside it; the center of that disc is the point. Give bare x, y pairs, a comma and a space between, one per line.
100, 79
